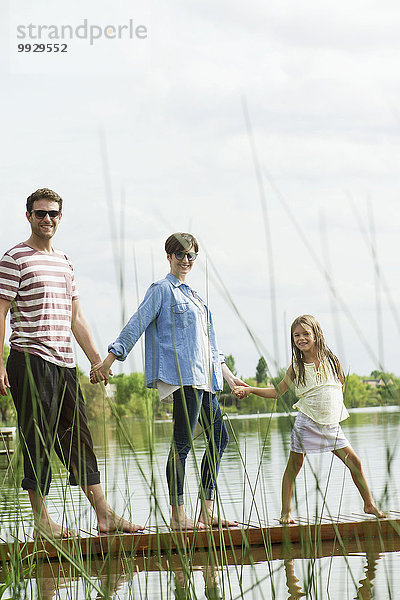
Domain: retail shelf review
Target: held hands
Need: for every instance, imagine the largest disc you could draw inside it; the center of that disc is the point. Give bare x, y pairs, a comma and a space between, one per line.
100, 372
230, 378
4, 383
236, 381
241, 391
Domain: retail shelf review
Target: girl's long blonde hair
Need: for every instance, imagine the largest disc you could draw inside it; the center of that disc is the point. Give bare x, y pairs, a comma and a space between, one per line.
322, 351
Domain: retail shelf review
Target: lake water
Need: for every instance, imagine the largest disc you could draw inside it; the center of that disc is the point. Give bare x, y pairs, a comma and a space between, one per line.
132, 457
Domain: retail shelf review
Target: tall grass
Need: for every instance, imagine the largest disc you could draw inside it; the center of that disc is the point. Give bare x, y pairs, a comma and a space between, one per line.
311, 569
225, 572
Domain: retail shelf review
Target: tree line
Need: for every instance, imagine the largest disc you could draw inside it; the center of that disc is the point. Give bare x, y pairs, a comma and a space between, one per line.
131, 397
357, 394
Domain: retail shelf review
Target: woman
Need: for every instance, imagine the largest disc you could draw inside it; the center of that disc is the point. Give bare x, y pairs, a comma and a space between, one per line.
181, 358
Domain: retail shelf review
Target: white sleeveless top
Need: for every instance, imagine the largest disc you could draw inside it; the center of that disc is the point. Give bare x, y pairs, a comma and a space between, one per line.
321, 397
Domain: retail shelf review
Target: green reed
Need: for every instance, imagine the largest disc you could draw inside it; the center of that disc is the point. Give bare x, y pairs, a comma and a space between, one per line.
221, 569
248, 572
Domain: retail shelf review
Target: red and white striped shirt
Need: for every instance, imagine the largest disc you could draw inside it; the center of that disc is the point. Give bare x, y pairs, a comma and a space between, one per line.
41, 288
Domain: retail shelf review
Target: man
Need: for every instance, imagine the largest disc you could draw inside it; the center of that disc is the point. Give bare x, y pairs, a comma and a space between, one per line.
37, 286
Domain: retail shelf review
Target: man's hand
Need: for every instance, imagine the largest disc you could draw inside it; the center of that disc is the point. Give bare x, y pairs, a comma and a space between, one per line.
4, 308
4, 383
102, 371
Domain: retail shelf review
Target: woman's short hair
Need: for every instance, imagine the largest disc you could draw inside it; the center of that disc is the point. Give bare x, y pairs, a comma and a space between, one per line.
43, 194
178, 242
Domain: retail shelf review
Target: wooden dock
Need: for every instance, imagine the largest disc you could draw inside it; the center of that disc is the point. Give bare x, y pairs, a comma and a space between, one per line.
303, 539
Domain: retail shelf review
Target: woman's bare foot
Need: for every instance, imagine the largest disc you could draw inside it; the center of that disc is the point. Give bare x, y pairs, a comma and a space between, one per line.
286, 519
211, 519
186, 524
111, 522
371, 509
181, 522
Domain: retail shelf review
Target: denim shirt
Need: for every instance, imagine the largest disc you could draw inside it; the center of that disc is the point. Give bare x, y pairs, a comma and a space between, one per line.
174, 350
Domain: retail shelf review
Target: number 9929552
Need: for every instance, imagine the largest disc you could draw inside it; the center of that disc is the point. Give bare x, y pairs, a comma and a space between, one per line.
39, 48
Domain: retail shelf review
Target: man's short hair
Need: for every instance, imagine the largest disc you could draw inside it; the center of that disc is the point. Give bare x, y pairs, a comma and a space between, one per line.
181, 242
43, 194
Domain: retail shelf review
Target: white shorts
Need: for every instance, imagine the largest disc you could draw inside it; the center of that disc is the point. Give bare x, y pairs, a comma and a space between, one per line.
311, 437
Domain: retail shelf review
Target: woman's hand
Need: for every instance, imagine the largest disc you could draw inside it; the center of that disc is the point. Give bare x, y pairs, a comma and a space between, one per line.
102, 371
99, 373
242, 391
230, 378
236, 381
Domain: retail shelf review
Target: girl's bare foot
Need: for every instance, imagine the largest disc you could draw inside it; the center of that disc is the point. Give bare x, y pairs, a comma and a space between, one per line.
286, 519
111, 523
371, 509
184, 523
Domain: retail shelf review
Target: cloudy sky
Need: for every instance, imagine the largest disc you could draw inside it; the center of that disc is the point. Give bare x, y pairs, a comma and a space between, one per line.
269, 130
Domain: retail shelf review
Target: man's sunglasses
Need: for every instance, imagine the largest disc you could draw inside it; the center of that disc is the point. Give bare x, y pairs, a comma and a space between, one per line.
40, 214
181, 255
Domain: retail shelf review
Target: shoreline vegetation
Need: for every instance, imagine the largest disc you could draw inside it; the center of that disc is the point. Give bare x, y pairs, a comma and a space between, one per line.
131, 397
133, 471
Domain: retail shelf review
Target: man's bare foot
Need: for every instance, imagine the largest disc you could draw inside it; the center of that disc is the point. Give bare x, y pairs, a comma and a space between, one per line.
211, 520
44, 525
185, 524
52, 530
371, 509
111, 523
286, 519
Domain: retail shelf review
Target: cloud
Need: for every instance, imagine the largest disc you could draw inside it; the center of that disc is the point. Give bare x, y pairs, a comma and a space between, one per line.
321, 84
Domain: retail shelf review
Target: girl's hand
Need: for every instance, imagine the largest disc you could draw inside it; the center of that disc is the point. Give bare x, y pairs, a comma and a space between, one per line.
230, 378
241, 391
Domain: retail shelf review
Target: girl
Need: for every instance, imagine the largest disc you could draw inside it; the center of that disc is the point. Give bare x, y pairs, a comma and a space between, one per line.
318, 382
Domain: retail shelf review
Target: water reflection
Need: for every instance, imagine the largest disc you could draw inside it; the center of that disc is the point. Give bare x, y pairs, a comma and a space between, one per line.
184, 583
54, 580
135, 454
364, 590
179, 578
292, 582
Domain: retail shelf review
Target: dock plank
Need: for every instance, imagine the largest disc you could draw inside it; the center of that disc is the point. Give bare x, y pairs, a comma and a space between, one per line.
310, 537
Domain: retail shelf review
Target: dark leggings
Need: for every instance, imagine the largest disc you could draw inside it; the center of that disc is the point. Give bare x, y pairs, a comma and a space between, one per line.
51, 414
191, 406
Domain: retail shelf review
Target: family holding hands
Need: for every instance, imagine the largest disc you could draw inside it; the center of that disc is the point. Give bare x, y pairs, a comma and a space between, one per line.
182, 359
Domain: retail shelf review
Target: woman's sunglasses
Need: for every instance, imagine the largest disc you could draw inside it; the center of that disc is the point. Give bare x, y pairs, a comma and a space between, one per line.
181, 255
40, 214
